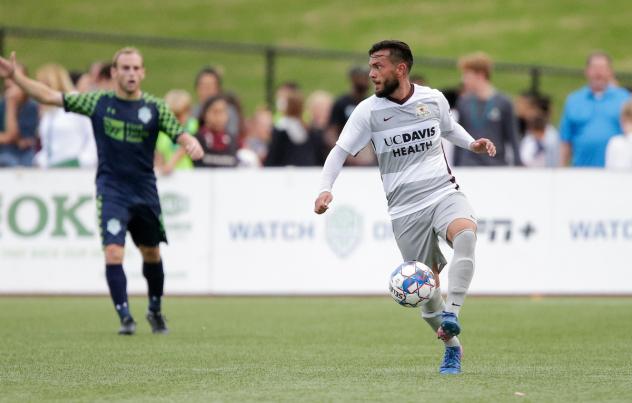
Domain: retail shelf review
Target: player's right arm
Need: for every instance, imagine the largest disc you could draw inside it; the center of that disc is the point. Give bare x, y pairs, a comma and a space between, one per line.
354, 137
333, 165
40, 92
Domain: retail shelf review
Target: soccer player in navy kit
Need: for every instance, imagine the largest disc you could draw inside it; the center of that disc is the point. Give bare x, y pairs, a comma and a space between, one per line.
126, 123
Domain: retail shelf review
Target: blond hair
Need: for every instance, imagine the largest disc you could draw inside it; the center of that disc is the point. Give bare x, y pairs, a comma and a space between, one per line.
56, 77
128, 50
319, 97
478, 62
178, 101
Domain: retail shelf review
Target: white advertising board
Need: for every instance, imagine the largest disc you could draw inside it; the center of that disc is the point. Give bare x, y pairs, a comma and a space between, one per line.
49, 241
254, 232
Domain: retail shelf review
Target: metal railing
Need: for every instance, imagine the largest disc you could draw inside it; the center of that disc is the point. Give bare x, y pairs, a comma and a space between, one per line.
270, 53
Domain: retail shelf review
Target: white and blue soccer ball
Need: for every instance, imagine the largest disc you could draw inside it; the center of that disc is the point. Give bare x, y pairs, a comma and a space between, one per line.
411, 284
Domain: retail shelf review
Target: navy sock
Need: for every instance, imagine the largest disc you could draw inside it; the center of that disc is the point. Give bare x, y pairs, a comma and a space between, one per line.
155, 276
117, 282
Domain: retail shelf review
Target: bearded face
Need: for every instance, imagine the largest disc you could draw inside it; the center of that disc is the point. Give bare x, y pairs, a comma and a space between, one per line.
389, 86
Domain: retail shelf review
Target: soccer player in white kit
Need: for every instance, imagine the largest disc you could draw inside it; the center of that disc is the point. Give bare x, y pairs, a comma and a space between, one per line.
405, 124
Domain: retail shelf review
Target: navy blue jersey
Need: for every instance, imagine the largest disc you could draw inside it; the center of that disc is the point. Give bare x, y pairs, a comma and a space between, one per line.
125, 132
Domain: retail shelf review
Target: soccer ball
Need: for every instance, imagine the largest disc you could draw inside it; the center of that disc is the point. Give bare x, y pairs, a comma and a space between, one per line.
411, 284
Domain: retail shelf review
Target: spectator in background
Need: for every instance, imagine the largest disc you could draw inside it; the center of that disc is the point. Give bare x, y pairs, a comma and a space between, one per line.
319, 104
344, 105
94, 71
259, 133
208, 83
86, 82
293, 143
75, 76
619, 149
540, 147
236, 125
67, 139
281, 95
18, 125
83, 83
220, 149
170, 156
485, 112
104, 78
591, 115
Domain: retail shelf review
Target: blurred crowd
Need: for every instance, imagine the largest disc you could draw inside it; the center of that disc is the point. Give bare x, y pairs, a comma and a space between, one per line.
595, 129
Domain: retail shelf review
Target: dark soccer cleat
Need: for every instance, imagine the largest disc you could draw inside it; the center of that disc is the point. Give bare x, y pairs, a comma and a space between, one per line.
451, 361
449, 326
128, 326
157, 322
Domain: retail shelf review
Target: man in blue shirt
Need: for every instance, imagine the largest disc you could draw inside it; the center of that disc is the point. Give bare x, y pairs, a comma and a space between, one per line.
126, 123
591, 115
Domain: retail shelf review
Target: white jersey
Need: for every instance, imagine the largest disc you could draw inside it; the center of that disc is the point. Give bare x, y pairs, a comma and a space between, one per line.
407, 141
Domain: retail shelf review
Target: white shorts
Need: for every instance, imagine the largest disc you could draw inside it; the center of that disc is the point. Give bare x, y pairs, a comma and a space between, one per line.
417, 234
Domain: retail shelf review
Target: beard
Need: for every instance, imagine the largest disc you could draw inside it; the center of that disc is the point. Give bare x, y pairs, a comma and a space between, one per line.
390, 85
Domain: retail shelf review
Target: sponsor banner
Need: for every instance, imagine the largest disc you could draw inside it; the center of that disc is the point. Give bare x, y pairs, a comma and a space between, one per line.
49, 240
540, 231
254, 232
270, 241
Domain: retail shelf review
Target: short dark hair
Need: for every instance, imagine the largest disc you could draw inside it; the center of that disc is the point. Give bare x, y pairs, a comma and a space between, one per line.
399, 51
105, 72
290, 85
358, 71
211, 72
206, 106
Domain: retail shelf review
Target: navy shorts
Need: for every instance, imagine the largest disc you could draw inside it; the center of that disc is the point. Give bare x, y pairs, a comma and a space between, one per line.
143, 221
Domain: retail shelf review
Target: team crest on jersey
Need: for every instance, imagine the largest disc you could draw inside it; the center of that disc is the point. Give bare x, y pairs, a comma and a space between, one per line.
144, 114
114, 226
422, 110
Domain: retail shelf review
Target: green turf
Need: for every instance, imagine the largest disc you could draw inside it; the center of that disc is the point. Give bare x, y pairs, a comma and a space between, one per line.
558, 32
314, 349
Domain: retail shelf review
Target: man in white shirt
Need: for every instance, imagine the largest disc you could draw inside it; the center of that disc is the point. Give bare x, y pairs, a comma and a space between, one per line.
405, 123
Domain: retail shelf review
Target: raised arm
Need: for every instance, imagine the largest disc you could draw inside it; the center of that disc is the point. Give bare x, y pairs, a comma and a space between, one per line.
457, 135
41, 93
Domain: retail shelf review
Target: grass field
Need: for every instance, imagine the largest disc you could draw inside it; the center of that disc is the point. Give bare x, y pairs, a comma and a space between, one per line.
535, 32
315, 349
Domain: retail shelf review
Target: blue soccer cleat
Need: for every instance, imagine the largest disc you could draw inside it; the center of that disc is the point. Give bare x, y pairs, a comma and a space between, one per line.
449, 326
451, 364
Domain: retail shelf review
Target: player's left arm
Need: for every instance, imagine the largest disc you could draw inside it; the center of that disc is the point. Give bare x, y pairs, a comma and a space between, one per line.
457, 135
168, 124
191, 145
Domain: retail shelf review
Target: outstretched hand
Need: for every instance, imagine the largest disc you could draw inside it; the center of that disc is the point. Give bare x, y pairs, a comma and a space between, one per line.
7, 66
483, 146
322, 202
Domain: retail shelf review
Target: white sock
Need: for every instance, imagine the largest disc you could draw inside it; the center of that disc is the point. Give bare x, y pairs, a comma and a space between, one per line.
461, 270
431, 312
